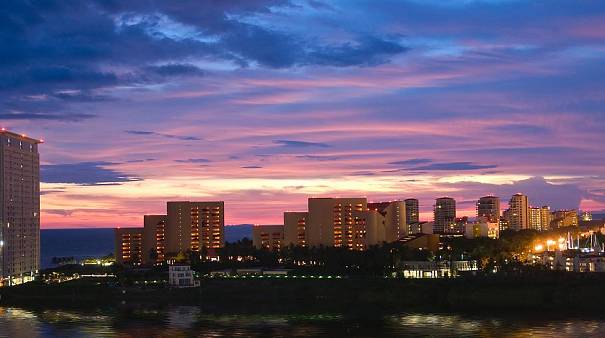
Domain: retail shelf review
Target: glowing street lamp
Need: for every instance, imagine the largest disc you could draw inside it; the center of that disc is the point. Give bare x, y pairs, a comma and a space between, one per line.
549, 243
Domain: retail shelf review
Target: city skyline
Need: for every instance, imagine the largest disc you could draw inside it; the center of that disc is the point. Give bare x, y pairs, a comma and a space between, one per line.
265, 103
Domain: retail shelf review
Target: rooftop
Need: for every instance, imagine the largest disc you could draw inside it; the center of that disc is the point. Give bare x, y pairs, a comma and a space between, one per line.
3, 131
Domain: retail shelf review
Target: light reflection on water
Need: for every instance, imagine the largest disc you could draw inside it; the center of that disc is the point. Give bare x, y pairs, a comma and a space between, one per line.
191, 322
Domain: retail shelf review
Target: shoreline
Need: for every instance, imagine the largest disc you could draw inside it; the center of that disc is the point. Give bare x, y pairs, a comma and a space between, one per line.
549, 293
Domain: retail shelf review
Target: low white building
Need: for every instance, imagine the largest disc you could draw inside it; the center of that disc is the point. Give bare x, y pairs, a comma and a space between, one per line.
181, 276
439, 269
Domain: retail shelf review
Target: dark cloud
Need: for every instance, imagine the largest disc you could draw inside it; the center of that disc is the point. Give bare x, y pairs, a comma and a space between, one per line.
175, 69
362, 173
50, 48
320, 157
194, 160
141, 160
153, 133
84, 173
251, 167
520, 128
413, 161
300, 144
367, 51
453, 166
70, 117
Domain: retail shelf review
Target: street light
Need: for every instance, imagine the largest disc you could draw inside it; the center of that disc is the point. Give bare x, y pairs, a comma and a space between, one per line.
549, 243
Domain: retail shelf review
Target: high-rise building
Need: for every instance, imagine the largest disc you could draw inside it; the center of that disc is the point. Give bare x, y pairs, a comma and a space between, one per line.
488, 207
518, 212
186, 227
412, 211
504, 220
395, 215
295, 224
19, 208
129, 246
545, 217
192, 226
154, 239
268, 237
535, 218
444, 215
564, 218
337, 222
350, 223
539, 218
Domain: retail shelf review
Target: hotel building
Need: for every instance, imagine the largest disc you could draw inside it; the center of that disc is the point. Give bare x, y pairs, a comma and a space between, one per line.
349, 223
295, 226
19, 208
269, 237
186, 227
192, 226
129, 246
488, 207
412, 211
444, 215
565, 218
154, 239
518, 212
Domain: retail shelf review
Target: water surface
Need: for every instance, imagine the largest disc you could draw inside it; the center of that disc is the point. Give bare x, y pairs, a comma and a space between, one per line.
185, 321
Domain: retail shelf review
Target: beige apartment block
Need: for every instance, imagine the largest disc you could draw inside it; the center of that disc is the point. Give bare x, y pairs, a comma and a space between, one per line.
154, 239
268, 237
192, 226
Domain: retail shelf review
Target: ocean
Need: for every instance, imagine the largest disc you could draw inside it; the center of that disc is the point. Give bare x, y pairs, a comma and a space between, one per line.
83, 243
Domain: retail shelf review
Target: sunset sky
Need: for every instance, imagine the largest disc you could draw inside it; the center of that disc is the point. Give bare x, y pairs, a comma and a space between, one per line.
264, 103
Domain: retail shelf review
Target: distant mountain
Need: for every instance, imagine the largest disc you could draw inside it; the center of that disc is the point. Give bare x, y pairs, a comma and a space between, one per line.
598, 216
234, 233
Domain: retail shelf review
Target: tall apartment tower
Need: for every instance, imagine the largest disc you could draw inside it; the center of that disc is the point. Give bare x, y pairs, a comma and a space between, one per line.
295, 224
445, 215
129, 246
19, 208
412, 211
488, 207
192, 226
154, 239
394, 219
336, 222
518, 212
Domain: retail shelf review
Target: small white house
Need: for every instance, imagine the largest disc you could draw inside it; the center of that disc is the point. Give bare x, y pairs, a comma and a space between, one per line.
181, 276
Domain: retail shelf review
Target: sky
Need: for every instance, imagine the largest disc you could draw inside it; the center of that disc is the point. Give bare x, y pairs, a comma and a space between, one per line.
264, 103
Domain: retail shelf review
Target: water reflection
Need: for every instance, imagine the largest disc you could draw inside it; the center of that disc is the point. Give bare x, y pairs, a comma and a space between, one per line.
184, 321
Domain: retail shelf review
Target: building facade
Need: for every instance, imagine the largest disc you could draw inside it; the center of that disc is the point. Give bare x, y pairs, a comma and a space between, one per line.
186, 227
154, 239
444, 215
394, 218
412, 211
350, 223
488, 207
192, 226
19, 208
268, 237
518, 215
295, 225
129, 246
564, 218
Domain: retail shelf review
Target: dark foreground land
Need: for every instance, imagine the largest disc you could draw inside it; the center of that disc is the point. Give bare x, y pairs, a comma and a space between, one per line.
572, 292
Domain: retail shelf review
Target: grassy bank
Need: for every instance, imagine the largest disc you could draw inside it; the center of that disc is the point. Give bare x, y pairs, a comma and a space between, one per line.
545, 292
